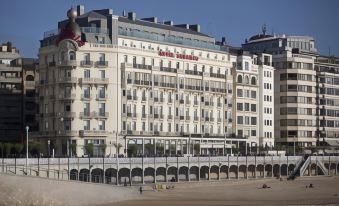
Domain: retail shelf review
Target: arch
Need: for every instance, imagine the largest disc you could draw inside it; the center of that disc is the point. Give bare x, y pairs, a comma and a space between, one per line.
290, 168
110, 176
239, 79
124, 175
214, 172
223, 172
194, 173
149, 174
172, 174
268, 170
246, 79
29, 78
136, 175
233, 171
73, 174
260, 170
283, 170
71, 55
332, 169
253, 81
204, 172
161, 174
183, 173
84, 175
242, 171
97, 175
276, 170
251, 171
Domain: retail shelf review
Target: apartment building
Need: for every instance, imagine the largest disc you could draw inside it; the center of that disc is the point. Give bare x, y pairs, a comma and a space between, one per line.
18, 105
295, 86
163, 88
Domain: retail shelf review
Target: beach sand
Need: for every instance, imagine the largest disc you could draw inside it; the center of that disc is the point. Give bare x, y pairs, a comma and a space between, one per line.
22, 190
244, 192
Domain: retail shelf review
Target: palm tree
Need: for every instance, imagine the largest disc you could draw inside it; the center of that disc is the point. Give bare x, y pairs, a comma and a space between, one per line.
18, 148
196, 148
89, 149
132, 150
103, 148
149, 148
117, 147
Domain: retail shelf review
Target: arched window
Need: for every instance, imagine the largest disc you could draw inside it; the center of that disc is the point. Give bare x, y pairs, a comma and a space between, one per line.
239, 79
29, 78
247, 80
71, 55
253, 81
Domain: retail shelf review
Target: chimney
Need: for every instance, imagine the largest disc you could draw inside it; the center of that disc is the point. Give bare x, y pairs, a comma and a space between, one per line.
151, 19
185, 26
195, 27
223, 40
80, 10
170, 23
132, 16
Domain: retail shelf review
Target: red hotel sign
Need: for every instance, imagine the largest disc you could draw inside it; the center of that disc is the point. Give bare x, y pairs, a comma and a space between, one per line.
179, 56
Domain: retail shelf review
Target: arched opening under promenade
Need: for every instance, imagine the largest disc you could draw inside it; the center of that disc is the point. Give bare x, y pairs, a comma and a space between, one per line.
214, 172
137, 175
242, 171
194, 173
276, 170
233, 172
290, 168
224, 172
124, 176
73, 174
183, 173
172, 174
268, 170
84, 175
204, 172
97, 175
251, 171
260, 171
161, 174
149, 175
110, 176
283, 170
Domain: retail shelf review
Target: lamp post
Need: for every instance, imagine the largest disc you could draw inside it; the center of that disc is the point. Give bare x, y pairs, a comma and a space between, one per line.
293, 145
27, 128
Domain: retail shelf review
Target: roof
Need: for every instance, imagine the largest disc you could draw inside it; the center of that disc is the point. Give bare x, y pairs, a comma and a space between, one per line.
160, 26
92, 14
259, 36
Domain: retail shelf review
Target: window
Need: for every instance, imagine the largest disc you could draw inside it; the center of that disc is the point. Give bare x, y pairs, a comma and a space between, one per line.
240, 119
253, 132
247, 66
71, 55
101, 57
253, 108
253, 81
239, 106
247, 107
86, 125
239, 79
253, 94
239, 93
87, 73
101, 125
253, 121
102, 74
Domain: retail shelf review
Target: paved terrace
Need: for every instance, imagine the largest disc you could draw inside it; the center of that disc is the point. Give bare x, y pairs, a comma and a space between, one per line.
175, 169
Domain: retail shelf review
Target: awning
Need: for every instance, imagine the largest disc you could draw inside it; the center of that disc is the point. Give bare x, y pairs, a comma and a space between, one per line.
332, 142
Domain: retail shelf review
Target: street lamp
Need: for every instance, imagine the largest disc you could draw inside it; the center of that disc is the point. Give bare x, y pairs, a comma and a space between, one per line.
27, 128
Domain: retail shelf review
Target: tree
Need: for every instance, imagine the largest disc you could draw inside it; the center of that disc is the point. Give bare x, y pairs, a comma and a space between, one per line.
149, 148
132, 150
89, 149
18, 148
235, 150
103, 148
35, 148
8, 148
73, 148
160, 148
117, 147
196, 148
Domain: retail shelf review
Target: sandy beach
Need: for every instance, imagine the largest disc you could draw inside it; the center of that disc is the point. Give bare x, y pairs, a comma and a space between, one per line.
21, 190
245, 192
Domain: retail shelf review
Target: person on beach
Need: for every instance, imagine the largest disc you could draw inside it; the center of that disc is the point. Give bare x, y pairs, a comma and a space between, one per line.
140, 190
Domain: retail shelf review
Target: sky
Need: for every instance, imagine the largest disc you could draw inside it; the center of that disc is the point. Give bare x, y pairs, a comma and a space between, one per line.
24, 22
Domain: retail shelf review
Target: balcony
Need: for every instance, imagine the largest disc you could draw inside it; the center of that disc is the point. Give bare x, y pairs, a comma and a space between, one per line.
219, 104
212, 119
142, 66
67, 96
161, 116
94, 133
207, 103
67, 133
51, 64
67, 63
86, 63
170, 117
162, 100
182, 118
181, 101
156, 116
143, 99
101, 64
196, 118
143, 116
222, 76
86, 80
170, 101
188, 118
101, 114
156, 99
101, 80
101, 97
188, 102
85, 115
207, 119
166, 69
67, 114
190, 72
65, 80
86, 97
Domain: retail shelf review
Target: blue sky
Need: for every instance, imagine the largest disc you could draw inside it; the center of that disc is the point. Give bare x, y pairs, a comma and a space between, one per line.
23, 22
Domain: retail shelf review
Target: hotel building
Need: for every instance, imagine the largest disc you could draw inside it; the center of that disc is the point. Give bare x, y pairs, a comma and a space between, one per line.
158, 88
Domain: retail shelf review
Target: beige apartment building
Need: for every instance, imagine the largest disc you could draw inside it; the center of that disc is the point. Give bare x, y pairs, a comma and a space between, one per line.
156, 87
